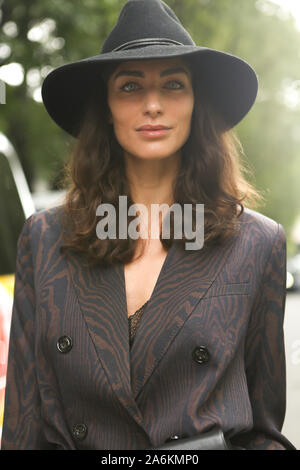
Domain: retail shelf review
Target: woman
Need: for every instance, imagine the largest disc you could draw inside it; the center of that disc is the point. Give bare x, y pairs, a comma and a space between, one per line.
202, 343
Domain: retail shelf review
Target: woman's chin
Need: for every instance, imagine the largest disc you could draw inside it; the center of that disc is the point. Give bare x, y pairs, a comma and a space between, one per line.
152, 155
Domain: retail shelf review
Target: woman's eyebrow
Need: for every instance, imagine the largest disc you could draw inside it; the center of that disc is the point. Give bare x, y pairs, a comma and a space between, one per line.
137, 73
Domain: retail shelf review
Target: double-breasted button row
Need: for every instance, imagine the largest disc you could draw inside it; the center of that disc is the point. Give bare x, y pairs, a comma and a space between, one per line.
201, 354
64, 344
79, 431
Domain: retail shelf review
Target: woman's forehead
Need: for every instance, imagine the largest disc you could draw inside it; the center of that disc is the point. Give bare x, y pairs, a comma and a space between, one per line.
150, 64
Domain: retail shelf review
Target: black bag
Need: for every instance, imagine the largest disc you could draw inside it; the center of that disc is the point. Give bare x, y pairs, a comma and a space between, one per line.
211, 440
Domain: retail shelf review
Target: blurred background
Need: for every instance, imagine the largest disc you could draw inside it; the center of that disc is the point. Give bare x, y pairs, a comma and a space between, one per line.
36, 37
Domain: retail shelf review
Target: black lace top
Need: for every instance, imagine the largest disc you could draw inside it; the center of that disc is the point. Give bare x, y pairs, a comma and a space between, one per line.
133, 322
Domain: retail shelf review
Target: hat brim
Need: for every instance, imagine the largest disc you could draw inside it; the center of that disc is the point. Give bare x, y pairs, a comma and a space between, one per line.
232, 84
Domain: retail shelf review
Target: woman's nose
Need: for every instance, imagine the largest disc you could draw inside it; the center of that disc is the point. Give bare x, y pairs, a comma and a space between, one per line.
153, 103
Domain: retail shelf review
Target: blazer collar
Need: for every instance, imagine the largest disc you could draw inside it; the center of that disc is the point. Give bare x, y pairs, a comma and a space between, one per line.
183, 280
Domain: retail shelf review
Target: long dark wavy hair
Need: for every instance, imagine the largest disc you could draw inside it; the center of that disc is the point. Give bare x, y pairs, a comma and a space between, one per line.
211, 173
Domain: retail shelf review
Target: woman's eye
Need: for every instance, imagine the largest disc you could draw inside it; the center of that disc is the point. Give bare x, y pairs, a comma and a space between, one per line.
175, 85
130, 86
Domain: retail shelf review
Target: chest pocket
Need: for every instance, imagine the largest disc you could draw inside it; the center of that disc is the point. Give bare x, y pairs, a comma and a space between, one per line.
218, 290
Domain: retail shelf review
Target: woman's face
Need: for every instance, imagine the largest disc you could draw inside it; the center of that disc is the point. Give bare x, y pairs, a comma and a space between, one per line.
151, 93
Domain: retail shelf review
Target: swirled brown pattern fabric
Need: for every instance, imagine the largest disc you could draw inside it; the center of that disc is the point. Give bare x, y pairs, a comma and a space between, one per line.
209, 348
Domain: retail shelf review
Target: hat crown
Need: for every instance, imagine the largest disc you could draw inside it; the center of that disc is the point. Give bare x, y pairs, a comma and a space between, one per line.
142, 19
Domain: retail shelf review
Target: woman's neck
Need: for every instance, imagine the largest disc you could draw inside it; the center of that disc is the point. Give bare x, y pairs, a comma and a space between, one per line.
151, 181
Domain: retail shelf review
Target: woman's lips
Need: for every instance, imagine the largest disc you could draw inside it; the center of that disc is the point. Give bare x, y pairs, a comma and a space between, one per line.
152, 133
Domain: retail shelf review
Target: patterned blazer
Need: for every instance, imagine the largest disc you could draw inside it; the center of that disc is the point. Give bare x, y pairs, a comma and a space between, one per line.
209, 349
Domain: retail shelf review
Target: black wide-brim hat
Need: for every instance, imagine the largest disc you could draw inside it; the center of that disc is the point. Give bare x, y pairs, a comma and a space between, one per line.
149, 29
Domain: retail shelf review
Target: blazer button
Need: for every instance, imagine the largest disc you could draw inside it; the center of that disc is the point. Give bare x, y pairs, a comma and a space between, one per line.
79, 431
64, 344
201, 355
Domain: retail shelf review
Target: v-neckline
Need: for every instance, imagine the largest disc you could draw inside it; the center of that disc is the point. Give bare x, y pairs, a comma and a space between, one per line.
161, 272
138, 310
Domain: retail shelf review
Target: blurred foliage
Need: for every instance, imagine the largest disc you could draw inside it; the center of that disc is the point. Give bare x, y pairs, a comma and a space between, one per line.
269, 133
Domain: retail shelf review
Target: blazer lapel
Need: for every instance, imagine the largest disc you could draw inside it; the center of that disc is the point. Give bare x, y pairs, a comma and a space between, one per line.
102, 299
183, 280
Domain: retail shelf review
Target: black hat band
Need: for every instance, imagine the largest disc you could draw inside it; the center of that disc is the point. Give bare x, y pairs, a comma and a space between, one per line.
147, 42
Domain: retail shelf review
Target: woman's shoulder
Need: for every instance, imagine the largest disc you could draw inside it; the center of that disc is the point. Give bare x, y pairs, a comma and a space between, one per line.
256, 225
43, 226
50, 215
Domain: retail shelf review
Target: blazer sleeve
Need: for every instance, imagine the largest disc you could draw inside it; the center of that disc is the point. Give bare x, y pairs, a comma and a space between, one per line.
22, 428
265, 355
